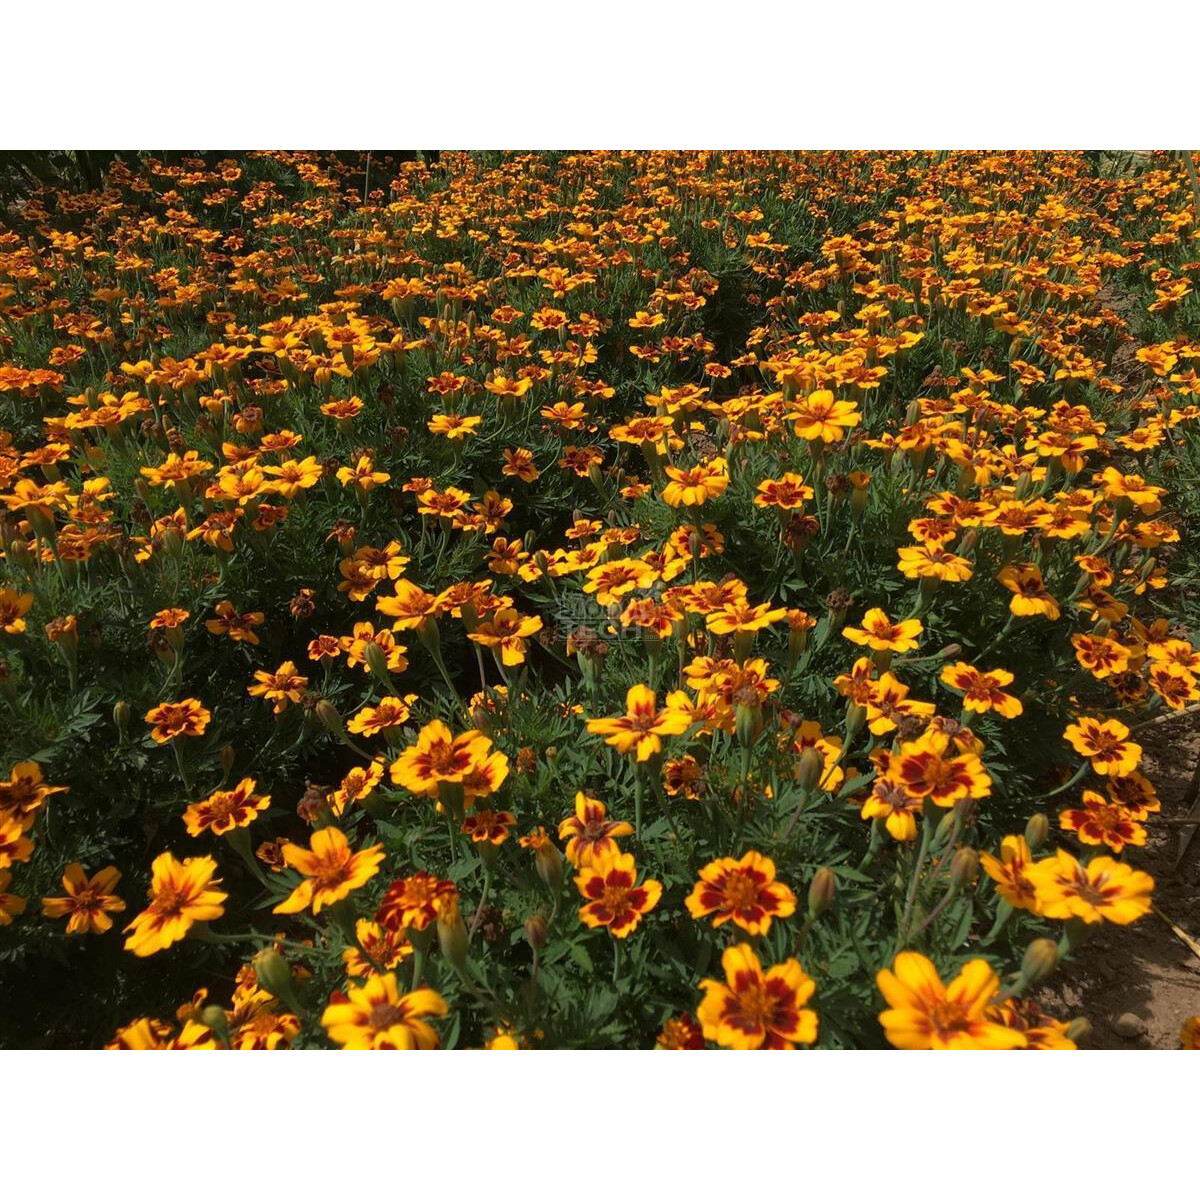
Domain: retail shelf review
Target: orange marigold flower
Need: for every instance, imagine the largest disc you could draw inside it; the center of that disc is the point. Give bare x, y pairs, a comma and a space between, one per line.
589, 834
15, 847
488, 825
283, 686
1100, 823
187, 718
414, 902
439, 757
744, 891
13, 607
753, 1010
225, 811
10, 905
922, 769
88, 901
1009, 872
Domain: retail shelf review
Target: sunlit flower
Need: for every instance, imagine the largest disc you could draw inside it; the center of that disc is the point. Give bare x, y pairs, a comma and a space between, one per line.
744, 891
757, 1010
377, 1016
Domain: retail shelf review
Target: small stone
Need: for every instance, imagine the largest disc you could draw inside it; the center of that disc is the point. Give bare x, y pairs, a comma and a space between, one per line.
1128, 1026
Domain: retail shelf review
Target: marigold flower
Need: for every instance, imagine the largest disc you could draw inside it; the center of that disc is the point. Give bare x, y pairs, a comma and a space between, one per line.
982, 690
1030, 597
284, 686
615, 900
753, 1010
588, 834
692, 487
332, 870
15, 847
187, 718
505, 633
821, 417
13, 607
390, 713
1100, 890
879, 633
644, 725
926, 1014
414, 902
439, 757
10, 905
1010, 872
923, 770
377, 1017
181, 893
88, 901
1105, 744
386, 948
24, 792
224, 811
744, 891
1101, 823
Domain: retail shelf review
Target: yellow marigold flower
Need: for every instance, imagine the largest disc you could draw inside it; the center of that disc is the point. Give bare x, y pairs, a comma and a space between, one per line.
332, 870
504, 632
411, 606
982, 690
1030, 597
1105, 744
285, 685
1010, 872
644, 725
879, 633
926, 1014
87, 902
821, 417
611, 580
737, 616
454, 426
377, 1017
10, 905
753, 1010
691, 487
181, 893
744, 891
933, 562
439, 757
15, 847
897, 807
13, 607
386, 947
239, 627
1100, 890
614, 899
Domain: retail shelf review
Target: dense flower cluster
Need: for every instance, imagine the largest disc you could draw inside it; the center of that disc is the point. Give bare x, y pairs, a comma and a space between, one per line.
616, 599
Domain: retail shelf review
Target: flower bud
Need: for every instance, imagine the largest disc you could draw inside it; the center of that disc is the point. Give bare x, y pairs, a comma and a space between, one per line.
452, 934
330, 717
548, 861
1037, 830
964, 868
808, 769
275, 976
856, 718
1041, 957
214, 1017
537, 932
121, 716
226, 756
376, 659
821, 892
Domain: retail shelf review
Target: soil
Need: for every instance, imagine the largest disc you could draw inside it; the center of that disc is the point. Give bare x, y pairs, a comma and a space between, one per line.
1139, 983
